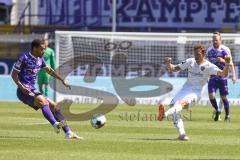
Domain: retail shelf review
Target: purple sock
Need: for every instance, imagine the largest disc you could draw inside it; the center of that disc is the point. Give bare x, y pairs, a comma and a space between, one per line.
48, 114
226, 107
214, 104
60, 117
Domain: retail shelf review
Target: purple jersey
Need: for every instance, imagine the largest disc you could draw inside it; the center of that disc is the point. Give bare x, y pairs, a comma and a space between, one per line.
28, 67
213, 54
218, 82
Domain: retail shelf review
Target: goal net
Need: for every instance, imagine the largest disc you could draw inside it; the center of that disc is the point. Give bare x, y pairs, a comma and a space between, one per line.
111, 62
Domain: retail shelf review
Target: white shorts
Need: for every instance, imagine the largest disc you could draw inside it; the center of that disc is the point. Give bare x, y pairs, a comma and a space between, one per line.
192, 96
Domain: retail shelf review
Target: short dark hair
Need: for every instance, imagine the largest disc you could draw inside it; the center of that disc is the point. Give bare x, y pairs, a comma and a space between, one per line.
201, 47
36, 43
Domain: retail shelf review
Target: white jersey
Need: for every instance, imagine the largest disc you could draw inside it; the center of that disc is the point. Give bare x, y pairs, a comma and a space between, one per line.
198, 74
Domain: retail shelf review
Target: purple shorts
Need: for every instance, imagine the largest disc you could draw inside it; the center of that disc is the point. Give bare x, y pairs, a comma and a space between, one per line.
28, 98
218, 83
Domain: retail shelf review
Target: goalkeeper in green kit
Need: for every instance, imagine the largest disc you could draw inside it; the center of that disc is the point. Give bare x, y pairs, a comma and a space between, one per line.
43, 76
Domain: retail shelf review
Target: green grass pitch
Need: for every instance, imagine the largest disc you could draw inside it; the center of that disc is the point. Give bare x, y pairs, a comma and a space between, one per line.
131, 133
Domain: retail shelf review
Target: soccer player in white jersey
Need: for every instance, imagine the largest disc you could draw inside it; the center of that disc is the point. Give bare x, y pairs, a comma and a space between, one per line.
216, 54
199, 70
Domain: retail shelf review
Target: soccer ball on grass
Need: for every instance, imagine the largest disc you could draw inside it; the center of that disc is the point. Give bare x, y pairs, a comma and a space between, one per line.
98, 120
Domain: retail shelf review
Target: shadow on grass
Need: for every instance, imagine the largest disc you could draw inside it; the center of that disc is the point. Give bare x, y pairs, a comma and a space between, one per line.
154, 139
15, 137
203, 159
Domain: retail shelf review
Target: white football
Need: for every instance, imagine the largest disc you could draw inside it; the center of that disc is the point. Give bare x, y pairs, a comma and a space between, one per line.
98, 120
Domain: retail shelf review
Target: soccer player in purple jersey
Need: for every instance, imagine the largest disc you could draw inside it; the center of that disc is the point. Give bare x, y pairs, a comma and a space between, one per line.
216, 54
24, 74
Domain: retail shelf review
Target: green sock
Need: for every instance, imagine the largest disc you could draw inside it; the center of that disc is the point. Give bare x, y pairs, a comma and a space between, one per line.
46, 92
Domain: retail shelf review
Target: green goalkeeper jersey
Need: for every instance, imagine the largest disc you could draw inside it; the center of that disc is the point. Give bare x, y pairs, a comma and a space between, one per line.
49, 58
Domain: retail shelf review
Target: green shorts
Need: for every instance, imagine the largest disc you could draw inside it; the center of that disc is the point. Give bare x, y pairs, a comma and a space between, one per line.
43, 78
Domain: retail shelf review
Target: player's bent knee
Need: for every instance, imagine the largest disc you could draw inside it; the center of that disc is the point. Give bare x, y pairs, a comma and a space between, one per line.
42, 101
223, 97
57, 107
211, 96
183, 102
52, 104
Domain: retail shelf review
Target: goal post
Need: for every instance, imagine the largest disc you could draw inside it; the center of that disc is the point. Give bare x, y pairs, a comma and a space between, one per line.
131, 54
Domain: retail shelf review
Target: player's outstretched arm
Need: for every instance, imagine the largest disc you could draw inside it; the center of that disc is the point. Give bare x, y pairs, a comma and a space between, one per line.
232, 68
224, 72
170, 66
234, 78
50, 71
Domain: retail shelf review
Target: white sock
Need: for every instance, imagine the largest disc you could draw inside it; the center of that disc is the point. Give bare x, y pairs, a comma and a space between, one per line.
180, 127
55, 124
69, 133
178, 123
175, 109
